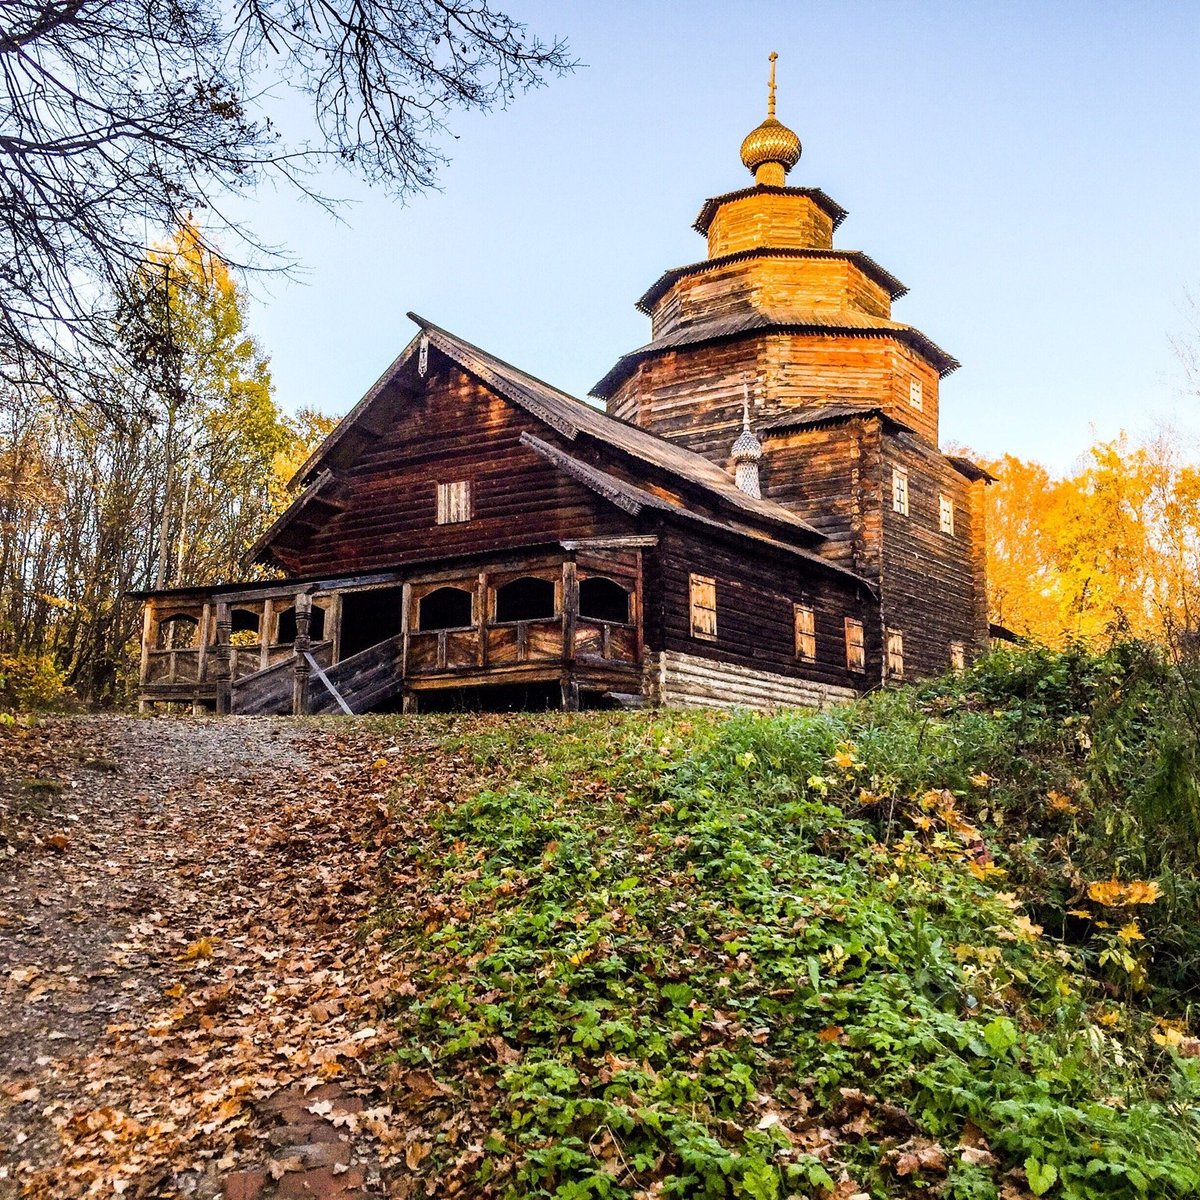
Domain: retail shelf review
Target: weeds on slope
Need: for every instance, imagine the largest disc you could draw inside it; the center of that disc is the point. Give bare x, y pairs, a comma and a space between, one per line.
874, 951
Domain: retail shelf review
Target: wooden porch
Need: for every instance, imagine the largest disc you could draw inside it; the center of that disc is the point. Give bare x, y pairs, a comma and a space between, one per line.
570, 618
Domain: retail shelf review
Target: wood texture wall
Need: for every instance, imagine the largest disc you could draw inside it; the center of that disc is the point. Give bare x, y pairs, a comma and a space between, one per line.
455, 430
694, 395
755, 614
783, 288
768, 219
933, 587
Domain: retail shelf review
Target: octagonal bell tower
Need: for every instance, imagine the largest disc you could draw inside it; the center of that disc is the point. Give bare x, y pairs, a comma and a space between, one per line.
777, 308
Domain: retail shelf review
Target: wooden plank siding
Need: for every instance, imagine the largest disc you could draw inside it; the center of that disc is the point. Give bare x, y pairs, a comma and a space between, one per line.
830, 475
817, 283
756, 595
932, 582
457, 430
694, 396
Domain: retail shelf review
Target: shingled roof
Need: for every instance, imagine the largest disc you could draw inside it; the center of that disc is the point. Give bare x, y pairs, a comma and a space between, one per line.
571, 418
836, 213
633, 500
869, 267
846, 322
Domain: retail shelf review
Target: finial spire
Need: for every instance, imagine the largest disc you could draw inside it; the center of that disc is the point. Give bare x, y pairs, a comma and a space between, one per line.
747, 452
771, 150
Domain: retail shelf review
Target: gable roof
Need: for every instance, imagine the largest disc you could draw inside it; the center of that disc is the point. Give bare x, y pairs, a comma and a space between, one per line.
570, 417
633, 500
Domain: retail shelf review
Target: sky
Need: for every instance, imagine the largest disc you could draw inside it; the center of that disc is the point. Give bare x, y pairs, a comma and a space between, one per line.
1030, 170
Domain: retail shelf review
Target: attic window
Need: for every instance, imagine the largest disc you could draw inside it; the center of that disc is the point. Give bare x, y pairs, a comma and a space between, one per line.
946, 514
702, 602
895, 654
900, 490
916, 394
454, 502
856, 653
806, 633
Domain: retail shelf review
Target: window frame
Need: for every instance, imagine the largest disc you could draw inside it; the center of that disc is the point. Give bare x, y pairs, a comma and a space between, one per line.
916, 394
697, 582
856, 646
946, 514
454, 502
900, 491
804, 617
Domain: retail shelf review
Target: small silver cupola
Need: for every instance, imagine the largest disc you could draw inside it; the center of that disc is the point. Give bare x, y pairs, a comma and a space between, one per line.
747, 453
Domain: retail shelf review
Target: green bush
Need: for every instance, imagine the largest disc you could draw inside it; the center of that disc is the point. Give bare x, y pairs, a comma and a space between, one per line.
940, 942
32, 683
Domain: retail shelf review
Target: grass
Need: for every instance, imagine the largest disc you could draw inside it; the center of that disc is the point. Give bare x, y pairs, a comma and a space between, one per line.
811, 954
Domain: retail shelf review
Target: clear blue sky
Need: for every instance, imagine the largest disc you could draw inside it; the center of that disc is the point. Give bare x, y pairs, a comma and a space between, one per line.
1030, 170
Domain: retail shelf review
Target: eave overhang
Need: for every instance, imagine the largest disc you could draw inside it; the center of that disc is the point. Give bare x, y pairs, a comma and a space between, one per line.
869, 267
832, 209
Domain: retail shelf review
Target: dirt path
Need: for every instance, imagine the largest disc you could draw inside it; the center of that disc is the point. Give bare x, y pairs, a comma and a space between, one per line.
187, 1002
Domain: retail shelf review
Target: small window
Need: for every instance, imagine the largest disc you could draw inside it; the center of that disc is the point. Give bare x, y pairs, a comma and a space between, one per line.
286, 630
895, 654
453, 502
916, 394
856, 652
900, 490
946, 514
806, 633
603, 599
525, 599
702, 592
958, 656
445, 608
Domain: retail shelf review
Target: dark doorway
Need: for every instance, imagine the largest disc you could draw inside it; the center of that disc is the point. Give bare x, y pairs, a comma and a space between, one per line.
369, 618
525, 599
447, 608
602, 599
287, 626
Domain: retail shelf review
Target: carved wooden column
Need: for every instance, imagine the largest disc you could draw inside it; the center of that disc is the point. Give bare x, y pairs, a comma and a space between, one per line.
301, 669
221, 668
148, 630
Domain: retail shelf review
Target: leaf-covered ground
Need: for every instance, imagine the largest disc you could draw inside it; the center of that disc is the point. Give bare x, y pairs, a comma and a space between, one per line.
183, 910
942, 943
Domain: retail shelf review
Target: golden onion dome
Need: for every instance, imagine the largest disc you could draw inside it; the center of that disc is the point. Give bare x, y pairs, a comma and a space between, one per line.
771, 142
772, 145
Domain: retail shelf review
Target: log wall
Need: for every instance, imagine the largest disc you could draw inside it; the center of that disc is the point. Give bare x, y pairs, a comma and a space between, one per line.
756, 594
694, 396
455, 430
933, 586
768, 219
784, 288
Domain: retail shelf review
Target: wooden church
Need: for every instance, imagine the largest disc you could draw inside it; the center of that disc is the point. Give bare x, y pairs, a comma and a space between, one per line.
760, 515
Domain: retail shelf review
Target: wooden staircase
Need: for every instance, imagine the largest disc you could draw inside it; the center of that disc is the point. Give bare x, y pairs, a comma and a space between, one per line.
364, 680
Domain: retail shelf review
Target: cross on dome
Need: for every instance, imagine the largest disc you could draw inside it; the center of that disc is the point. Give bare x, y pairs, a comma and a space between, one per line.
771, 150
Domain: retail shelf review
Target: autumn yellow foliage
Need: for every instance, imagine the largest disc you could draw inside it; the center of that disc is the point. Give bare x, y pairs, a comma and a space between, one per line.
1109, 549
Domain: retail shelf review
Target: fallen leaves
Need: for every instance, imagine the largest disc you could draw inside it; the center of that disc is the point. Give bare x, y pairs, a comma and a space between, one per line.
216, 889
